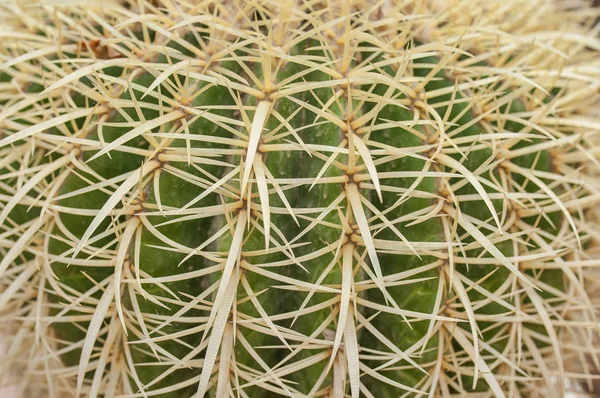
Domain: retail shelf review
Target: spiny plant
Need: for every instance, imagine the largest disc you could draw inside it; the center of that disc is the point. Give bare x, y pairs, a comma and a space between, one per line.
299, 198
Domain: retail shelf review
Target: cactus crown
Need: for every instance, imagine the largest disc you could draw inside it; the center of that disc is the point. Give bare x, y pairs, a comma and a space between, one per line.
298, 198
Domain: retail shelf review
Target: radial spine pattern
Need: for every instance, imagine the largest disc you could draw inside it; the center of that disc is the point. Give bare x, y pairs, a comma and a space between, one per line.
299, 198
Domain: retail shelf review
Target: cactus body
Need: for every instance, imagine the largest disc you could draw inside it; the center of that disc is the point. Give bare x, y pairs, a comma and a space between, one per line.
270, 198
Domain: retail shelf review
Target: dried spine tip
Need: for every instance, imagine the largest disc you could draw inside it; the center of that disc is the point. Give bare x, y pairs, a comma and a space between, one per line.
299, 198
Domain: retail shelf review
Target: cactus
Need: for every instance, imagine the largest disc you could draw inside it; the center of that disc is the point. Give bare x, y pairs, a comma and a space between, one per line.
298, 198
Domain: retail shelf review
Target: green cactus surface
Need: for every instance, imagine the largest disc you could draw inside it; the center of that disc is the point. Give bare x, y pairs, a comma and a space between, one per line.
299, 198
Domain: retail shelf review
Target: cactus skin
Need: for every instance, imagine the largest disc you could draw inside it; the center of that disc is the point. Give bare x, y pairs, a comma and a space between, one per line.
263, 198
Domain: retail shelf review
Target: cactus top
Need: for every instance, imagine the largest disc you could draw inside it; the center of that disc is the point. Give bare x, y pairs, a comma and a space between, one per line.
295, 198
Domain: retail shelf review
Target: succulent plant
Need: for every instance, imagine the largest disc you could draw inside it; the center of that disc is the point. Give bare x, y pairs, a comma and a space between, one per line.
299, 198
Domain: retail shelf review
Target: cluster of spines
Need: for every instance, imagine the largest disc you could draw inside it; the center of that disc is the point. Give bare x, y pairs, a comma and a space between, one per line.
480, 209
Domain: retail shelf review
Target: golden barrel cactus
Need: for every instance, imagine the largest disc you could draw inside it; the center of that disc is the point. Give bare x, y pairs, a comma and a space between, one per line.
299, 198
